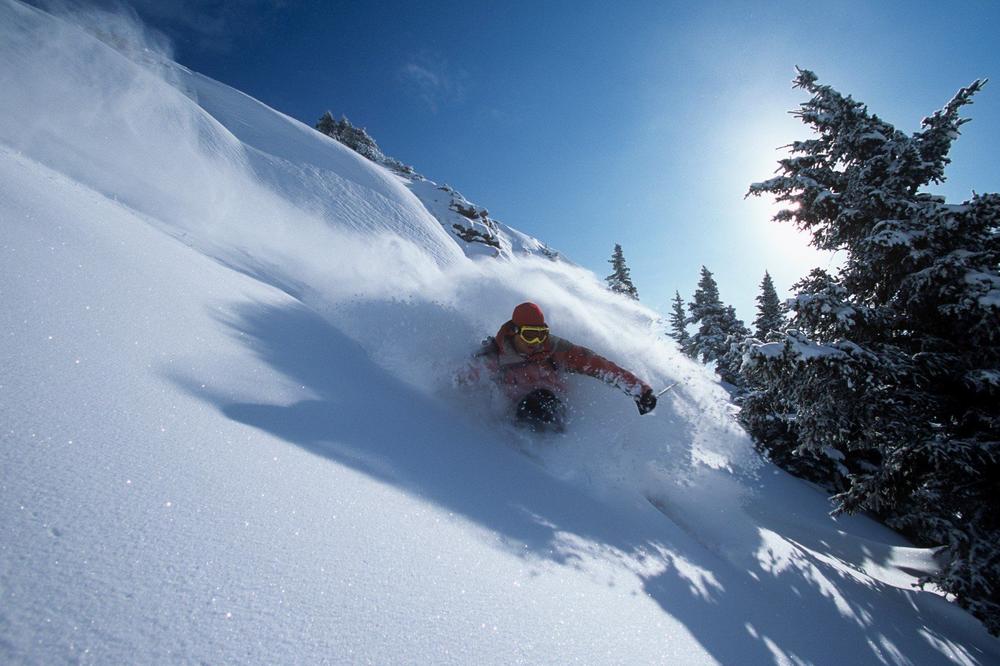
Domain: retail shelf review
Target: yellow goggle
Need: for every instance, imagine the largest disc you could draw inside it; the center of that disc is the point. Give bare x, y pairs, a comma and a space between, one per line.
533, 335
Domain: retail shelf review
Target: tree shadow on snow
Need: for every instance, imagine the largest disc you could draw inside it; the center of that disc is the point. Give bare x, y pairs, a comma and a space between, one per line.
364, 418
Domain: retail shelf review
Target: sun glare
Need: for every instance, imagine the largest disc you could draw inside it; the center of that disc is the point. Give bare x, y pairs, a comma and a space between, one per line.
782, 239
756, 142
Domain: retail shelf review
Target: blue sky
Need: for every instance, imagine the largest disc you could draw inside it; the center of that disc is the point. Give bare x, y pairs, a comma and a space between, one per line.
593, 123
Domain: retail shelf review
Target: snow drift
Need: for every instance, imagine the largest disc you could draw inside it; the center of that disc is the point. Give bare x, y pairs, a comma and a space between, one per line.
228, 430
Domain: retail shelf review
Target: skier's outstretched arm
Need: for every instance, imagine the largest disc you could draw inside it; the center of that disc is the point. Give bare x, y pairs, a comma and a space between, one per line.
581, 360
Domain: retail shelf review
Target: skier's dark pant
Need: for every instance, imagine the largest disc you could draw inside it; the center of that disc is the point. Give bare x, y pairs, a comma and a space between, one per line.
541, 407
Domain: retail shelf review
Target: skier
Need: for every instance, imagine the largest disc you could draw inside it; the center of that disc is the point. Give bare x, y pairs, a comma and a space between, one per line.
528, 363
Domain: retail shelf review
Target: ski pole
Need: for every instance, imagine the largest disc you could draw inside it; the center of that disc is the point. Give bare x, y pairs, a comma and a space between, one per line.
667, 389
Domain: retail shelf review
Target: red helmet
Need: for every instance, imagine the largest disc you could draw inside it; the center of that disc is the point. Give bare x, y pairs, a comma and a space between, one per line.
528, 314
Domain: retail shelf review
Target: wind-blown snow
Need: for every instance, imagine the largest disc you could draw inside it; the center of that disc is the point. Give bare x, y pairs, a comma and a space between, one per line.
228, 430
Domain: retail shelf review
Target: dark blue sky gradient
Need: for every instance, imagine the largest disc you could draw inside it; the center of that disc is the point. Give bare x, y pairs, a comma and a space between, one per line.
590, 123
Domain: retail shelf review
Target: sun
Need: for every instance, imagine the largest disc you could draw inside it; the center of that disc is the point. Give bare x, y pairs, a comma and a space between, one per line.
755, 147
783, 239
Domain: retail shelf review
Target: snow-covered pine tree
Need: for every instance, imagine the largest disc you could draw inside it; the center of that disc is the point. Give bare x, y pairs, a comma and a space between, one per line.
678, 322
889, 377
707, 311
355, 138
770, 312
619, 281
728, 364
808, 379
358, 140
327, 125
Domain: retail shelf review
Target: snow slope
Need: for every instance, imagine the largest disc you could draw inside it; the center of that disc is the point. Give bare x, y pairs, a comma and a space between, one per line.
228, 430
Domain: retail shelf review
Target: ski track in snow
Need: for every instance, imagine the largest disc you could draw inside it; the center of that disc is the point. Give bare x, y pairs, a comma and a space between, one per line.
228, 429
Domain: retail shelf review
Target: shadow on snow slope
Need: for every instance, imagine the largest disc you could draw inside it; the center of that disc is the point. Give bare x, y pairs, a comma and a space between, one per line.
800, 608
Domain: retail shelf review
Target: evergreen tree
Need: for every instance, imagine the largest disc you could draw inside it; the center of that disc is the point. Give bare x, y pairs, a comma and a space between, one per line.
326, 124
887, 384
678, 322
730, 361
355, 138
770, 312
720, 332
619, 280
707, 311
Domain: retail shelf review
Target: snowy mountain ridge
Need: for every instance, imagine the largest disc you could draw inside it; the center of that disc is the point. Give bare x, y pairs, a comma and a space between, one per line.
229, 432
480, 234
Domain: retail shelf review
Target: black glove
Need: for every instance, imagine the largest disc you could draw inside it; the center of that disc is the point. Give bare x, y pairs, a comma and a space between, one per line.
646, 402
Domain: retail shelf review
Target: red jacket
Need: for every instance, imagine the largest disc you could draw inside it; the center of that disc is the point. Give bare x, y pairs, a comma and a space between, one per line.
518, 375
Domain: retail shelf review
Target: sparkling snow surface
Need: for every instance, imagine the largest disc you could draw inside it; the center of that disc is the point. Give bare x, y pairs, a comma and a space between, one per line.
228, 430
